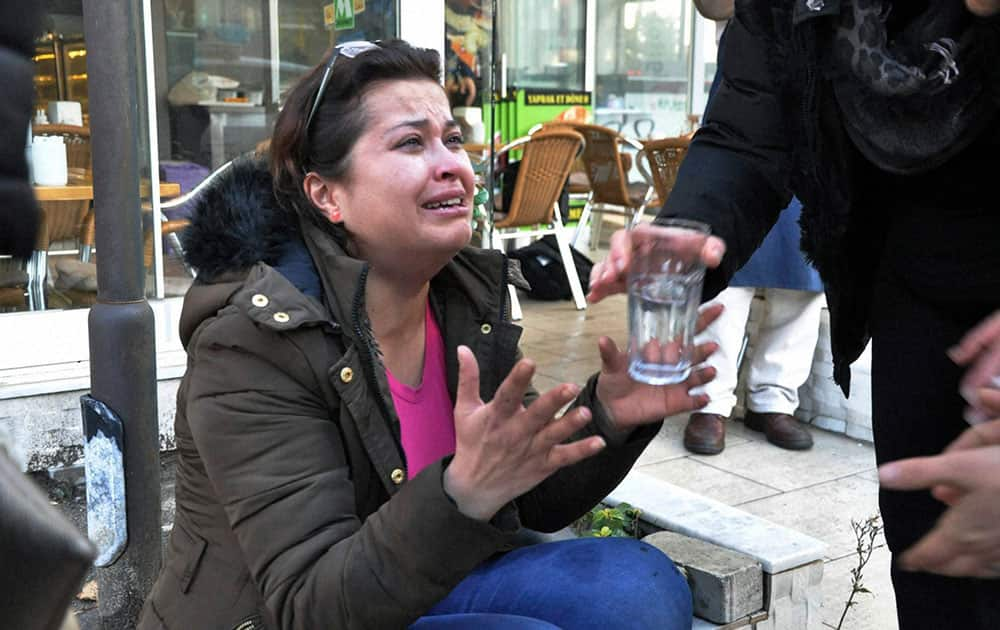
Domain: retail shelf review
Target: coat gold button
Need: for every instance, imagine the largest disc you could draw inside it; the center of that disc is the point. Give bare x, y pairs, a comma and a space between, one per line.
397, 476
281, 317
486, 329
259, 300
346, 375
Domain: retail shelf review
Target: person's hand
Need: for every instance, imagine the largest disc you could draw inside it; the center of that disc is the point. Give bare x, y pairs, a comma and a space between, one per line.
976, 436
630, 403
983, 8
980, 350
502, 448
608, 276
966, 539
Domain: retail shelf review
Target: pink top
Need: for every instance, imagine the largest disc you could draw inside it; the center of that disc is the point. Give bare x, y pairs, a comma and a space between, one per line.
426, 413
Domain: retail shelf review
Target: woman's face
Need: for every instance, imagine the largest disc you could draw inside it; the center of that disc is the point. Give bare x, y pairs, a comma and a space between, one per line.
408, 192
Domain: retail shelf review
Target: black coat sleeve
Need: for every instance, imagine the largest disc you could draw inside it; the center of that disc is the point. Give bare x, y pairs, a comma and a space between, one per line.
18, 209
735, 176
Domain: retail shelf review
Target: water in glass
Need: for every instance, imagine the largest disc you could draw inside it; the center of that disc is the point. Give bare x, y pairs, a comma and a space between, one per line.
662, 315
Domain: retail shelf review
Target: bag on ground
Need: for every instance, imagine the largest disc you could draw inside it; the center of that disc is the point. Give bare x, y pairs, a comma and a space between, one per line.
543, 269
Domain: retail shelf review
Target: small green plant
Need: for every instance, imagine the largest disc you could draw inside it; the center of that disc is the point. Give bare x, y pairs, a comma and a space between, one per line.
866, 532
480, 217
605, 522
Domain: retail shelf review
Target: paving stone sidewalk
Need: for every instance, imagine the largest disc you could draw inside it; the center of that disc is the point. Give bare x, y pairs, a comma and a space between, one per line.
816, 492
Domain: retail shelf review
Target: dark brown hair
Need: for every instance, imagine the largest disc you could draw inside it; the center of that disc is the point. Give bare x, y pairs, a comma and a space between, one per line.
340, 120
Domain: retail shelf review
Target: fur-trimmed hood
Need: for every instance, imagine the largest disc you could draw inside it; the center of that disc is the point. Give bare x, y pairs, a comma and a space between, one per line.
237, 222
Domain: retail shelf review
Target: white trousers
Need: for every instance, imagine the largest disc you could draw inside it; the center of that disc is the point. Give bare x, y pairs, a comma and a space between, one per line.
782, 355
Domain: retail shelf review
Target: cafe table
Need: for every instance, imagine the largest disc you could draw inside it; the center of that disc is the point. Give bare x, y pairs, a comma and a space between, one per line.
83, 190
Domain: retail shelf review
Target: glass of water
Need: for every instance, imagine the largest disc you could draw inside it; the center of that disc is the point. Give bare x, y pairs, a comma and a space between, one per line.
664, 292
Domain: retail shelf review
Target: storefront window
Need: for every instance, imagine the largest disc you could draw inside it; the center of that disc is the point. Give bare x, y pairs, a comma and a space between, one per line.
643, 49
468, 37
543, 42
467, 68
60, 273
61, 64
221, 68
228, 65
229, 62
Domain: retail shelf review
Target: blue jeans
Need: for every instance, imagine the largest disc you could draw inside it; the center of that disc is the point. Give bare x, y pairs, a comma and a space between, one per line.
583, 584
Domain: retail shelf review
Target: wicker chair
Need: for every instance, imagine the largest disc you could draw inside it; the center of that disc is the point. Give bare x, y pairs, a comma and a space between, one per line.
607, 170
67, 226
14, 281
659, 161
547, 157
62, 226
76, 280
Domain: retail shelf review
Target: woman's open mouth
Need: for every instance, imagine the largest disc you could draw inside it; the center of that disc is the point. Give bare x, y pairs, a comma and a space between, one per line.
447, 207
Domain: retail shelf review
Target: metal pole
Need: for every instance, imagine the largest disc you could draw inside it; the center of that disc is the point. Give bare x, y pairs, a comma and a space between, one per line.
122, 341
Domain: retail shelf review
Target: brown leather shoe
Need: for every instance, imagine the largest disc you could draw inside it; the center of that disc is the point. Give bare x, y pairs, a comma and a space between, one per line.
705, 433
781, 430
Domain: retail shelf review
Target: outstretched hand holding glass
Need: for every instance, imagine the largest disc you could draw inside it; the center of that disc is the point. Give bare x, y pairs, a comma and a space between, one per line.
662, 267
504, 448
609, 276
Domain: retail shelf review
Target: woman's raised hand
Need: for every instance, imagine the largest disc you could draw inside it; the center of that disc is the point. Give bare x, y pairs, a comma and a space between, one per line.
502, 448
630, 403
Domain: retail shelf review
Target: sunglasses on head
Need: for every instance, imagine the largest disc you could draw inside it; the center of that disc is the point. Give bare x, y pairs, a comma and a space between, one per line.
347, 49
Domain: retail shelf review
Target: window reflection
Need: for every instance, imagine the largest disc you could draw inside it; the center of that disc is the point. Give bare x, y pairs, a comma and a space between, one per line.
543, 41
642, 65
60, 272
228, 65
229, 62
61, 65
467, 62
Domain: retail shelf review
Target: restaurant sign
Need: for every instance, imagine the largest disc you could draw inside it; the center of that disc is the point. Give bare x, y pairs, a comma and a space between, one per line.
556, 97
340, 14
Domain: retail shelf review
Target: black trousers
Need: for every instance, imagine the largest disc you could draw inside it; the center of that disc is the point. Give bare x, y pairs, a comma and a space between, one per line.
940, 275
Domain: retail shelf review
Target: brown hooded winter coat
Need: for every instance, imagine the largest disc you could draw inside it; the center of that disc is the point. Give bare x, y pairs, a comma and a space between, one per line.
294, 506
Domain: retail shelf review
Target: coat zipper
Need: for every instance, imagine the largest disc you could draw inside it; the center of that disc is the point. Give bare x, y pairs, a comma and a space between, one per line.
367, 360
505, 299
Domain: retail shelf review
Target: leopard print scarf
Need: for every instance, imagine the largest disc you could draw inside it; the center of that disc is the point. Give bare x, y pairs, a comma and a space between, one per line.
914, 96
